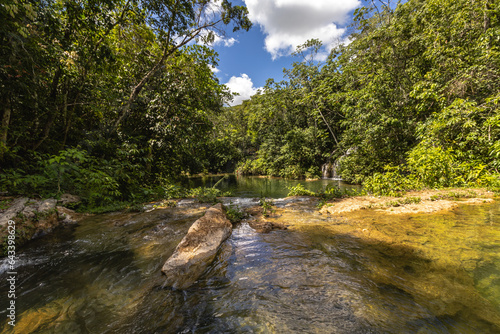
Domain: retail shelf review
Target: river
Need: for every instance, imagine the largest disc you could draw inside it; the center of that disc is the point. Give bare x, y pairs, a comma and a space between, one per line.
258, 186
430, 273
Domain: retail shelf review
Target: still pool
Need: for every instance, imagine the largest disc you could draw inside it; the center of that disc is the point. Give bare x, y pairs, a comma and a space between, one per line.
427, 273
258, 186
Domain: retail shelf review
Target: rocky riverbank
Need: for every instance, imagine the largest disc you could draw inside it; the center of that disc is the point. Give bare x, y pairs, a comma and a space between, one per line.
34, 218
424, 201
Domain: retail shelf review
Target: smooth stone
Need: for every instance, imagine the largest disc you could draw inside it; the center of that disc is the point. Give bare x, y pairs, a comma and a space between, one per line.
197, 249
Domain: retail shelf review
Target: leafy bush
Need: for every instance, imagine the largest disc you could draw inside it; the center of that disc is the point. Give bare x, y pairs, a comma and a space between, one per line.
205, 195
299, 190
434, 166
234, 213
267, 207
313, 173
394, 182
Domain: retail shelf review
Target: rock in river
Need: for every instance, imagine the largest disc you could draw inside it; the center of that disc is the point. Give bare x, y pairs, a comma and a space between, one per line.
197, 249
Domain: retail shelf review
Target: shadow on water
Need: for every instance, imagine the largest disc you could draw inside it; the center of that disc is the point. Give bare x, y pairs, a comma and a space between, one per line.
103, 277
405, 290
319, 283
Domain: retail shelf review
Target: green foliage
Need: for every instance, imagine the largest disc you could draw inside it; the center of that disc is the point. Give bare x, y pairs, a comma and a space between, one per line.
299, 190
394, 182
321, 203
403, 201
109, 99
205, 195
112, 101
332, 192
234, 213
5, 204
432, 165
267, 207
329, 193
454, 195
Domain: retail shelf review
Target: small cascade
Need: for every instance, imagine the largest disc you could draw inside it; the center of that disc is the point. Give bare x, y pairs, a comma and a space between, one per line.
326, 170
329, 171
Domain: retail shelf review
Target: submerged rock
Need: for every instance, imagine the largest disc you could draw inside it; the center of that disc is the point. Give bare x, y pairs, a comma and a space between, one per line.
197, 249
263, 226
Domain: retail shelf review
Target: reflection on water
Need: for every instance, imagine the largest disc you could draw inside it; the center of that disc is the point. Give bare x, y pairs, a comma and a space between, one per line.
434, 273
256, 186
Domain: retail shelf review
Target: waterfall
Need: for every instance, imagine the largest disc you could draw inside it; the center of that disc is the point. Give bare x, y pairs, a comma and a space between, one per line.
325, 171
329, 170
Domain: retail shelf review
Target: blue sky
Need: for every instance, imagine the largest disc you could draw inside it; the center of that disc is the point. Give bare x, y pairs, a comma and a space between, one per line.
248, 59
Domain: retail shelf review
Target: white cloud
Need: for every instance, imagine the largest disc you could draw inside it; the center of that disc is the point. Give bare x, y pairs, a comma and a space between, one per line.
227, 42
242, 85
288, 23
213, 69
217, 39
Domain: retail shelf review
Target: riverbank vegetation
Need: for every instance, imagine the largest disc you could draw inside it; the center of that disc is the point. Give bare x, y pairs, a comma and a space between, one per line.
112, 100
411, 102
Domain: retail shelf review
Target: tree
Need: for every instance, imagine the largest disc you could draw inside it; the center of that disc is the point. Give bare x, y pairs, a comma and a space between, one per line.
176, 23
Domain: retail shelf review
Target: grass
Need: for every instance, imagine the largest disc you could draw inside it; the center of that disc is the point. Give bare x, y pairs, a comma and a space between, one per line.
5, 204
403, 201
454, 195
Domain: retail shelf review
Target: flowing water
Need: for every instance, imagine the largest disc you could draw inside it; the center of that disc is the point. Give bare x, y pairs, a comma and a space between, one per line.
434, 273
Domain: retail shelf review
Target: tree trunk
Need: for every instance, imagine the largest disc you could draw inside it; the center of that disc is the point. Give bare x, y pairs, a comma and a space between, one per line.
487, 8
53, 111
4, 128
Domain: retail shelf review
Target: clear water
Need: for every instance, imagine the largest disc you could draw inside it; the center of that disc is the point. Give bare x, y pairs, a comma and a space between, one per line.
436, 273
256, 186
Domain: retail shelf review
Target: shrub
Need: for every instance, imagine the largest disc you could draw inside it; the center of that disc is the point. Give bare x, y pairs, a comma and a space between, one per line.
234, 213
267, 207
299, 190
394, 182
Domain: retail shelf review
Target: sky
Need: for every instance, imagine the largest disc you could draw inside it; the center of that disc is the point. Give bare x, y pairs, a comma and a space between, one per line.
248, 59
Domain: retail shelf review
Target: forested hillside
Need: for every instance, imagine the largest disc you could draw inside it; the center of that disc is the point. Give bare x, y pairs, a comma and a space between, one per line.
411, 101
109, 99
113, 99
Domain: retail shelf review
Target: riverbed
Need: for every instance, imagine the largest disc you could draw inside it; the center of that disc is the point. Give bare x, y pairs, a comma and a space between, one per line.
364, 273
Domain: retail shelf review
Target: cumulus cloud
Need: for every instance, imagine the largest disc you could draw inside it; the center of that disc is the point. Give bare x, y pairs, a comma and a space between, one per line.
226, 41
217, 39
213, 69
288, 23
242, 85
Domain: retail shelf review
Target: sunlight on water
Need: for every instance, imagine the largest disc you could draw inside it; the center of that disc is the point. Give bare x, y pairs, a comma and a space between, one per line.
365, 273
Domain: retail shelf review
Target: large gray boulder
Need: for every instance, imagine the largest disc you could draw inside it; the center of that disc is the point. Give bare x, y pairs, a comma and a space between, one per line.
16, 206
197, 249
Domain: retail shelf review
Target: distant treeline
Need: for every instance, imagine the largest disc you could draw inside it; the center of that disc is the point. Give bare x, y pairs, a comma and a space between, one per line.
412, 101
112, 100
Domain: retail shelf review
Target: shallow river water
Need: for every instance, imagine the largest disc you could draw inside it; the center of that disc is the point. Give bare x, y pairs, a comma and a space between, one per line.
366, 273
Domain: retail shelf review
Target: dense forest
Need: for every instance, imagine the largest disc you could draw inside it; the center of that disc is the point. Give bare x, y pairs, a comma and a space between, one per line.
115, 99
109, 99
410, 102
